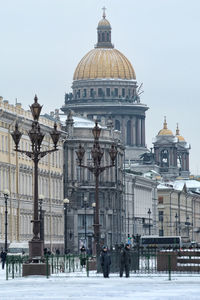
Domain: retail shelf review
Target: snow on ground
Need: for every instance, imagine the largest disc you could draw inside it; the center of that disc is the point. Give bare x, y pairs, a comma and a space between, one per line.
76, 286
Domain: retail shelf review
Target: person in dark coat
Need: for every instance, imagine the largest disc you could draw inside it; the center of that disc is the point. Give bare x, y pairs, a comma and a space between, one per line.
3, 258
105, 262
125, 260
83, 256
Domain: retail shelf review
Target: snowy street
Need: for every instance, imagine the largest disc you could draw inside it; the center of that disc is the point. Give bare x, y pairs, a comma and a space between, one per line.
75, 286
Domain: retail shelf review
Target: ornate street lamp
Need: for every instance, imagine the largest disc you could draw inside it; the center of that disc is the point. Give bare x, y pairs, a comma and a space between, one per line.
41, 199
6, 194
66, 203
36, 138
149, 213
96, 169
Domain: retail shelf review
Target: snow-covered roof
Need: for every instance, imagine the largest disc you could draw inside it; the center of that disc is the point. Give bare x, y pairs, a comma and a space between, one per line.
79, 121
179, 184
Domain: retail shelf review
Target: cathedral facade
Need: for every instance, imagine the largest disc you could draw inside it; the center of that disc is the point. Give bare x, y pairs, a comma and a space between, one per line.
105, 87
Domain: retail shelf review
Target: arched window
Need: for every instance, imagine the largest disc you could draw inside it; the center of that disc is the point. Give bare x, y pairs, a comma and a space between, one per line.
164, 158
103, 37
108, 37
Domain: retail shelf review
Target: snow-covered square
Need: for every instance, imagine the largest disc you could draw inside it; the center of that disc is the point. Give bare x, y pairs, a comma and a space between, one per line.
77, 285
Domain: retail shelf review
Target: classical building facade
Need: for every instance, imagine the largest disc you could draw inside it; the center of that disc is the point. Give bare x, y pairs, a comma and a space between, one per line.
105, 87
16, 175
79, 186
140, 204
179, 210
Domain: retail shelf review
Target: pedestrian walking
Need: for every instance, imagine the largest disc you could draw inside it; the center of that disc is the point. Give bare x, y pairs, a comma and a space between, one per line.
125, 260
3, 258
105, 261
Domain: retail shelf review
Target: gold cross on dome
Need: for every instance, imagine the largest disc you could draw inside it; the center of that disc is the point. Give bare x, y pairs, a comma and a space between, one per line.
104, 12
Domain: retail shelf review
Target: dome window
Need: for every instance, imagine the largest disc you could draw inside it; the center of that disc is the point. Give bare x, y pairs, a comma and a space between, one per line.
91, 93
115, 92
123, 92
108, 92
100, 92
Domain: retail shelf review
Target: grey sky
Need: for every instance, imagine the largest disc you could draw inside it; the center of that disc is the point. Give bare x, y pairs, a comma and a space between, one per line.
42, 41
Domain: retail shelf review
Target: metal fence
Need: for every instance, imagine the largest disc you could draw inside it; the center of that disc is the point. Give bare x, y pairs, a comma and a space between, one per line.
143, 261
55, 264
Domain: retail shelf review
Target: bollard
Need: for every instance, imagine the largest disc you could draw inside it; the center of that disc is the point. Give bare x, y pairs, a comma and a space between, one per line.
169, 266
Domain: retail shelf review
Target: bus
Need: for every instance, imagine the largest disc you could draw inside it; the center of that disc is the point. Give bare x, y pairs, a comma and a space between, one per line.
162, 242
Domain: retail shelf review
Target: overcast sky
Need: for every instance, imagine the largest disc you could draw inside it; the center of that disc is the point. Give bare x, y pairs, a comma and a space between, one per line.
42, 41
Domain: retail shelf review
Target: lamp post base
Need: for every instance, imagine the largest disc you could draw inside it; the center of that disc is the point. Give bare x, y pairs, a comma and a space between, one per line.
35, 269
36, 249
35, 265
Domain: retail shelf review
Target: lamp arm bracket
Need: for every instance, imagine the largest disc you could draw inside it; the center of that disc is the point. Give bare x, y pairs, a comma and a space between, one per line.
28, 153
43, 153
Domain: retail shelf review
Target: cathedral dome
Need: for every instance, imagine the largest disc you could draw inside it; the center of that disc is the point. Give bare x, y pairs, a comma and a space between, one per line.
165, 130
104, 63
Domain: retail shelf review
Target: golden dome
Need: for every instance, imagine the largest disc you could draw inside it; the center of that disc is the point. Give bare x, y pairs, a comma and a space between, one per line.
104, 63
180, 138
104, 22
165, 130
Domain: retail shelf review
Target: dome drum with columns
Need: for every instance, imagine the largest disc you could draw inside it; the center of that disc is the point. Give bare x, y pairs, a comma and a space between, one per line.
105, 87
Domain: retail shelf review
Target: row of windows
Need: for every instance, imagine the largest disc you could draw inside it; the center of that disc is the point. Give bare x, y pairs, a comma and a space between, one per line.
55, 157
26, 225
90, 221
26, 184
104, 36
105, 92
106, 200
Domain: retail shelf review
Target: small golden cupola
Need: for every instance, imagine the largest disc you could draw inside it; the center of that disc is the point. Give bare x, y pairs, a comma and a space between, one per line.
104, 32
165, 130
180, 138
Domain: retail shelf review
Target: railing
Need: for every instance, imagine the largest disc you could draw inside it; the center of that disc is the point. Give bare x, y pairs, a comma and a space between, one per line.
143, 261
55, 264
14, 265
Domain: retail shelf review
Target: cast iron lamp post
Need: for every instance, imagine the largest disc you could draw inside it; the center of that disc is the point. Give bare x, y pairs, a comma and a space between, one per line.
36, 138
149, 213
93, 206
176, 217
41, 198
85, 223
97, 154
6, 194
66, 203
